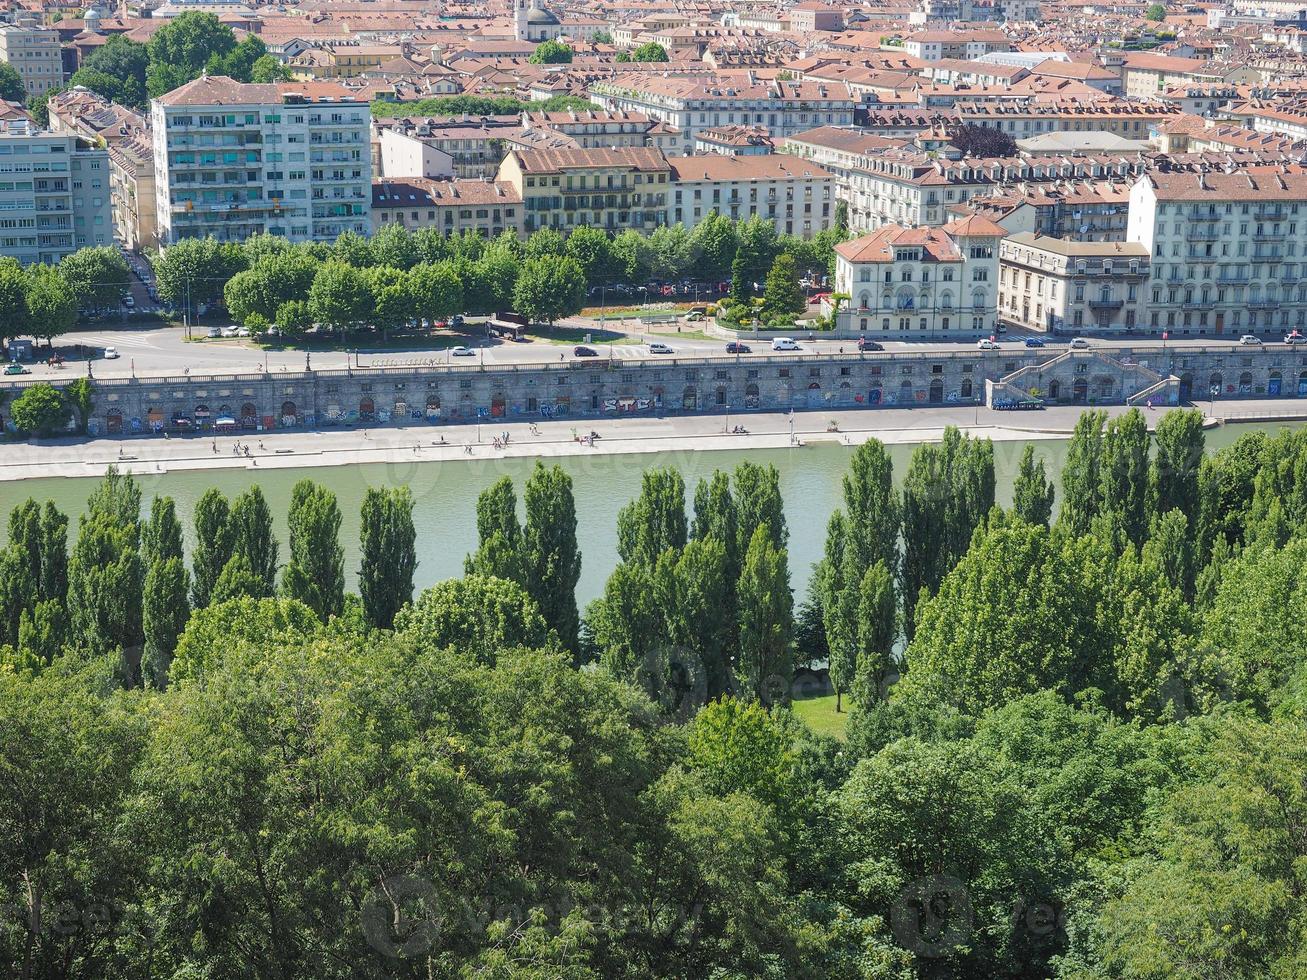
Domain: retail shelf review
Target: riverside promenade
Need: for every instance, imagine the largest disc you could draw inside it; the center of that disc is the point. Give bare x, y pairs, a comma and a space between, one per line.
454, 442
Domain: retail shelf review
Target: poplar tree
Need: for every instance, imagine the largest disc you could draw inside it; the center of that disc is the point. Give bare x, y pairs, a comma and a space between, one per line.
1081, 479
551, 555
876, 630
655, 520
1174, 475
165, 612
766, 619
161, 534
315, 574
213, 545
252, 537
758, 503
388, 546
1032, 493
1123, 472
499, 535
54, 553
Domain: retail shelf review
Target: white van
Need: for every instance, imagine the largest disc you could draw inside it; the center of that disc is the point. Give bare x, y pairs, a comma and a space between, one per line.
783, 343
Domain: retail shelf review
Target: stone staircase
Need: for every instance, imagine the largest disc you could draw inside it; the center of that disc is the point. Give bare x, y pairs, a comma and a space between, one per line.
1136, 382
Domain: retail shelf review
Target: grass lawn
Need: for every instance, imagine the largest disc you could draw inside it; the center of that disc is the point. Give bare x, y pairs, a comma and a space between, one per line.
819, 715
574, 335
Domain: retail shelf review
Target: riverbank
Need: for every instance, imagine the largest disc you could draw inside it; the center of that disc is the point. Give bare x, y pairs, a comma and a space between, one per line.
293, 449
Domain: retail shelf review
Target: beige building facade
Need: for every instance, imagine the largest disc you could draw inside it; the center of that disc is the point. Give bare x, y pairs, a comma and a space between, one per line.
1060, 286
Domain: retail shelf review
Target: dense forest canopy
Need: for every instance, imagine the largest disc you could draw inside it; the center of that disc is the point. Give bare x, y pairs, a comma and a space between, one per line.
1074, 744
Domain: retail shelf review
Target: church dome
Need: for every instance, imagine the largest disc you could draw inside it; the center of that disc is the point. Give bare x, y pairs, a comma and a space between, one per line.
538, 15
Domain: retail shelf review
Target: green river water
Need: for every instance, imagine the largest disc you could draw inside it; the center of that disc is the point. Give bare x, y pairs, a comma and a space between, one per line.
445, 495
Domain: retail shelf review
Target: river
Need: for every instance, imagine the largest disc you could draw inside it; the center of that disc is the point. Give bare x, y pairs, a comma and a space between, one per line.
445, 496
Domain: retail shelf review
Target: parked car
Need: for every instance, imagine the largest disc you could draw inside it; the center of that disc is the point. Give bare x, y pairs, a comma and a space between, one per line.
658, 347
457, 321
864, 344
243, 332
694, 316
986, 344
462, 352
584, 352
15, 368
214, 332
231, 331
1034, 341
1079, 342
1295, 338
1250, 340
735, 347
783, 343
111, 353
129, 302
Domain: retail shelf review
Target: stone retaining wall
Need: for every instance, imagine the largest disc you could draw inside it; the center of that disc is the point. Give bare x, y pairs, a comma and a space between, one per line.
600, 387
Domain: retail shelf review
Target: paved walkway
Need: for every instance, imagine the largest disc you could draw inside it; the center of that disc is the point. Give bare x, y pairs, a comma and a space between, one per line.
556, 437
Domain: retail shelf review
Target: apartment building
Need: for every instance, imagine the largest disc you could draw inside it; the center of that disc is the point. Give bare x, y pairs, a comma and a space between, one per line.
691, 104
233, 160
615, 189
907, 186
1022, 119
1146, 75
54, 196
1081, 210
920, 282
35, 54
797, 197
125, 134
961, 45
1226, 248
1061, 286
452, 206
132, 195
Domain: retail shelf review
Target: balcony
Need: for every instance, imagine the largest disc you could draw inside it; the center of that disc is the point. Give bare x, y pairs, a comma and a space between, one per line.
1106, 304
1202, 234
1263, 304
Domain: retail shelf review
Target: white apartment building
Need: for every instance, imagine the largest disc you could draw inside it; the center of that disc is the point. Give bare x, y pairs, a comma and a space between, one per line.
1228, 254
54, 196
1062, 286
233, 160
920, 282
796, 196
34, 53
692, 104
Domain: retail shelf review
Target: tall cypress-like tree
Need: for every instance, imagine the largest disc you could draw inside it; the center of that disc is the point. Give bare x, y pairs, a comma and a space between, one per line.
25, 535
552, 557
947, 493
1174, 475
758, 504
105, 583
213, 545
871, 505
1032, 493
700, 583
766, 619
165, 611
17, 591
54, 553
161, 535
315, 574
1082, 484
715, 516
118, 498
388, 546
251, 536
499, 535
655, 520
876, 631
1123, 472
